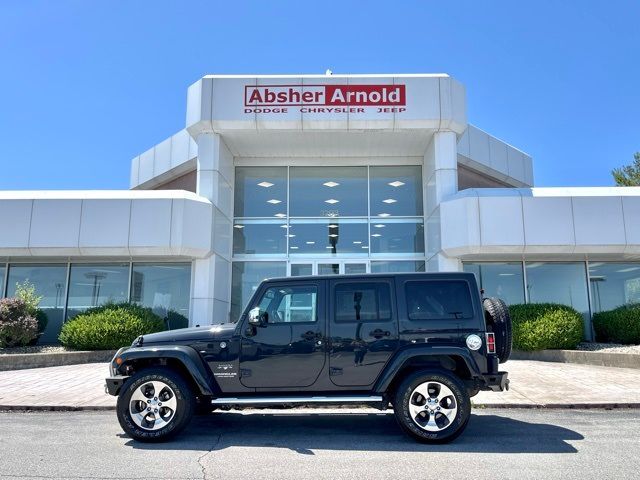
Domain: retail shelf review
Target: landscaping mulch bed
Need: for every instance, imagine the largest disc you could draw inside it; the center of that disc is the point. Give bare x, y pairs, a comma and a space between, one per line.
34, 349
609, 348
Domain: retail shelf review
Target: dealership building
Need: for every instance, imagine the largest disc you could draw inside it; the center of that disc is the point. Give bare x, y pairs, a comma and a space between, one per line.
320, 174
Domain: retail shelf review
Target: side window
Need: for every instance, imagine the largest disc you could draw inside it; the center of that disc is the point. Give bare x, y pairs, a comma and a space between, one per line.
440, 299
290, 304
362, 302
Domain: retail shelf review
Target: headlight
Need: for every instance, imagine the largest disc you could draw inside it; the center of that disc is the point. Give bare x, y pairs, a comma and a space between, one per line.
474, 342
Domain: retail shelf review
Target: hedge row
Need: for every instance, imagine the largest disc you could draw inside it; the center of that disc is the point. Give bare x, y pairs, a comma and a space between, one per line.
620, 325
539, 326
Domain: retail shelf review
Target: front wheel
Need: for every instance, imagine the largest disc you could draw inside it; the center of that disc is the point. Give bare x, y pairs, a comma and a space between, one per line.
432, 407
155, 404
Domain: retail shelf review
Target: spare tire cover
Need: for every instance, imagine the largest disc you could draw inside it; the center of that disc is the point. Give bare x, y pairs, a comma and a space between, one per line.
499, 322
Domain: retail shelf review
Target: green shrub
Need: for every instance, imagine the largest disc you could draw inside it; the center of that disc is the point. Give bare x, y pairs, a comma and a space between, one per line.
17, 326
109, 327
176, 320
26, 291
620, 325
539, 326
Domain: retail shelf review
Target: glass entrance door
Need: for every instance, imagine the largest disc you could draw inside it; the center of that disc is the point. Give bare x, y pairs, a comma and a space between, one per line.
328, 267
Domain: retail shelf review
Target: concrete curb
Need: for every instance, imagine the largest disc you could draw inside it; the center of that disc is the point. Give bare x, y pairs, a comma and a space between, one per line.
21, 361
602, 359
549, 406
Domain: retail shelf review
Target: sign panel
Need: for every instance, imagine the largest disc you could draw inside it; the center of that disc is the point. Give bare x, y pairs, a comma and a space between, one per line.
336, 98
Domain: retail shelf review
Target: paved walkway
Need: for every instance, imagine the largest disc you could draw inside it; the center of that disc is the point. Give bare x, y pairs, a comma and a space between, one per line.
533, 384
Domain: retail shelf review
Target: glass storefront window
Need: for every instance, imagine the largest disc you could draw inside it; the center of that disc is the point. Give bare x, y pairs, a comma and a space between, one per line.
328, 237
614, 284
2, 275
96, 284
260, 192
49, 282
328, 191
499, 279
397, 267
556, 282
245, 278
397, 236
396, 191
165, 289
263, 237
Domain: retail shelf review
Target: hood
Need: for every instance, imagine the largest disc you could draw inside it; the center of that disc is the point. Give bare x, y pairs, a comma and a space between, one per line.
184, 335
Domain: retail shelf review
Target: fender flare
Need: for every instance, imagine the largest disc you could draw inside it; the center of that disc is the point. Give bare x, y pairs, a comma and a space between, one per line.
403, 356
186, 355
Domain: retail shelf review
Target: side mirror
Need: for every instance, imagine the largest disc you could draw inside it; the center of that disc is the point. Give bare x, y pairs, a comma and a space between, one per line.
256, 317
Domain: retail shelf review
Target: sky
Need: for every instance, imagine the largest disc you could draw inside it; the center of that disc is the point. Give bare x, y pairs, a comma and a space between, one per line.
85, 86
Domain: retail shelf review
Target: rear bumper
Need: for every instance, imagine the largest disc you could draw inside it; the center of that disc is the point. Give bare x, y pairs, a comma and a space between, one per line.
496, 382
113, 385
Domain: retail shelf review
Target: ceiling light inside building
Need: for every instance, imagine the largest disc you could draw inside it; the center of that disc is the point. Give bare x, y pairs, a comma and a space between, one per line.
293, 247
273, 201
629, 269
379, 225
310, 243
397, 183
384, 214
265, 184
331, 184
356, 242
332, 225
333, 235
238, 226
376, 235
390, 200
365, 246
291, 236
331, 201
280, 215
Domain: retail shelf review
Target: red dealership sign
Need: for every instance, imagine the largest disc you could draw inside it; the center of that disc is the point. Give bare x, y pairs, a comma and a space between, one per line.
324, 95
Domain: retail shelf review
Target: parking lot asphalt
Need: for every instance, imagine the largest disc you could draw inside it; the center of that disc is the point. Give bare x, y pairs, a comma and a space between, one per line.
319, 444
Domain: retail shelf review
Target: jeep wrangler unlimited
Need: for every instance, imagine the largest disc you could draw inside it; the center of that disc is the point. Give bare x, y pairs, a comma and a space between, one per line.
424, 343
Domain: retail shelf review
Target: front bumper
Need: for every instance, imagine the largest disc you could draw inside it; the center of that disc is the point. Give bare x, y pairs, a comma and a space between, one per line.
113, 385
496, 382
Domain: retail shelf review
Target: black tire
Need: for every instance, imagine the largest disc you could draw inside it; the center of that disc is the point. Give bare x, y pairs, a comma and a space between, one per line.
499, 322
450, 428
178, 389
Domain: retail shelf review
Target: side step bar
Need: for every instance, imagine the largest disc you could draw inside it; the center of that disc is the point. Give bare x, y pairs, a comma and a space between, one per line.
302, 400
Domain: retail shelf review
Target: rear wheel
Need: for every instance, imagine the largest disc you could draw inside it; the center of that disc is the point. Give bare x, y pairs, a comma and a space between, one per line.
155, 404
499, 322
432, 407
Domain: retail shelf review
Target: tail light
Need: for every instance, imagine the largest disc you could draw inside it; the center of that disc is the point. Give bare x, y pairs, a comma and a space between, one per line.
491, 342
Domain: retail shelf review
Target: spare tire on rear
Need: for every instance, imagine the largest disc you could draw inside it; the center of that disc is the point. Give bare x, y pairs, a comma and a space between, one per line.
496, 315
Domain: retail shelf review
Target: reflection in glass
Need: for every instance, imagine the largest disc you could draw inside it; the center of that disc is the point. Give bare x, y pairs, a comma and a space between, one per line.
396, 267
301, 269
259, 236
328, 268
3, 272
49, 282
328, 191
165, 288
245, 278
614, 284
328, 237
260, 192
396, 191
564, 283
94, 285
499, 279
397, 236
355, 268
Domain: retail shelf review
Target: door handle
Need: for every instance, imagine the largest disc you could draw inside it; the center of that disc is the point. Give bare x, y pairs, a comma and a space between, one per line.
378, 333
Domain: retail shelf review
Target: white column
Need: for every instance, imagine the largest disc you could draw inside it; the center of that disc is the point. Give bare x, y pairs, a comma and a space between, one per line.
440, 177
211, 276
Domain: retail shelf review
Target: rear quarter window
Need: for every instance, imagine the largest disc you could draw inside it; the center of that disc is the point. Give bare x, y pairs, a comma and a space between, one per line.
438, 299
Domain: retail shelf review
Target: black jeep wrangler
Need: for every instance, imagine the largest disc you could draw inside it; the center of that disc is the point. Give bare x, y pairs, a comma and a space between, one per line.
424, 343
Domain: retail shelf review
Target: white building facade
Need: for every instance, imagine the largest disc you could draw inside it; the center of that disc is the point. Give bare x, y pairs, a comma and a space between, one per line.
297, 175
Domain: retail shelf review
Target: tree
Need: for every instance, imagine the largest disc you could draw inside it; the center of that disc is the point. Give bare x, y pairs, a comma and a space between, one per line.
629, 175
